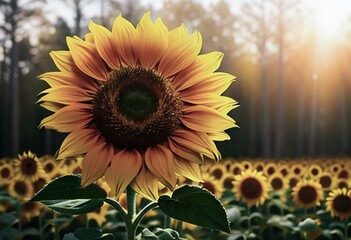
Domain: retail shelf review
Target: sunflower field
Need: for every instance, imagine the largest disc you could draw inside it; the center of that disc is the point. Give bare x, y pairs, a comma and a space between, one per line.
263, 199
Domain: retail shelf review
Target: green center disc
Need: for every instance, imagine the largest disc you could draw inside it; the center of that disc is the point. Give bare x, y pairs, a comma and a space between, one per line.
137, 103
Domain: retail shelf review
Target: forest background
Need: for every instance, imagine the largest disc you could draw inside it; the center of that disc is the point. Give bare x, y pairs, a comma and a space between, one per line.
292, 60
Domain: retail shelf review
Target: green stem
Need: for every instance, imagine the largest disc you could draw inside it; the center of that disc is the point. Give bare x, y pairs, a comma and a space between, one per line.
131, 203
142, 213
117, 206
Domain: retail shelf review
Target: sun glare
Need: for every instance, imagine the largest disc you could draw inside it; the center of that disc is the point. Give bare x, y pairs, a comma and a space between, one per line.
329, 17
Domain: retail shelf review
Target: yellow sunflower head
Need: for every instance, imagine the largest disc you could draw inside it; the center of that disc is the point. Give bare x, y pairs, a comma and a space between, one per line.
251, 187
314, 171
28, 167
307, 193
339, 203
212, 184
6, 173
270, 168
20, 189
134, 100
278, 182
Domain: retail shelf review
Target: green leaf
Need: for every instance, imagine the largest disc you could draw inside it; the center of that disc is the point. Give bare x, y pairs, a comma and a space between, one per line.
87, 233
159, 234
307, 225
69, 236
7, 220
75, 206
68, 187
195, 205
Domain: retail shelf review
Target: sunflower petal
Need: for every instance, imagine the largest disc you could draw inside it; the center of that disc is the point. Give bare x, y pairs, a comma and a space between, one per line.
188, 169
105, 45
78, 142
95, 163
153, 39
55, 79
64, 61
87, 58
216, 82
185, 152
204, 119
159, 160
124, 36
68, 118
199, 69
146, 184
125, 165
180, 55
196, 142
66, 95
178, 33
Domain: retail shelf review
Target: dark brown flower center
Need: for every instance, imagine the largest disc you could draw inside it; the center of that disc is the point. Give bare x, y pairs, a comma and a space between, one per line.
251, 188
209, 186
277, 183
29, 166
325, 181
307, 194
21, 188
136, 108
49, 166
5, 172
228, 183
217, 173
342, 204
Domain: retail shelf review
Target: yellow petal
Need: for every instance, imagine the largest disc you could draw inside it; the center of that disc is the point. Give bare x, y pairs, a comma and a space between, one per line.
51, 106
146, 184
124, 36
125, 165
66, 95
63, 61
95, 163
185, 152
79, 142
188, 169
178, 33
202, 66
216, 82
105, 45
152, 39
55, 79
159, 160
209, 100
87, 58
196, 142
68, 118
204, 119
220, 136
180, 54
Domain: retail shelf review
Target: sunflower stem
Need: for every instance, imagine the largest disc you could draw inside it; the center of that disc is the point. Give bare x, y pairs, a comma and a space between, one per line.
131, 203
142, 213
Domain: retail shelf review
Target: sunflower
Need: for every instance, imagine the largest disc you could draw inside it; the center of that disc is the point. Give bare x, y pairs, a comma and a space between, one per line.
50, 166
217, 171
247, 164
6, 173
28, 167
211, 184
251, 187
227, 182
134, 100
339, 203
236, 168
314, 171
307, 193
20, 189
269, 169
278, 182
298, 169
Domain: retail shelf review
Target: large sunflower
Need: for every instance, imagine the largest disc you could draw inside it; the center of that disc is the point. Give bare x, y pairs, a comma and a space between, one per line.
140, 103
339, 203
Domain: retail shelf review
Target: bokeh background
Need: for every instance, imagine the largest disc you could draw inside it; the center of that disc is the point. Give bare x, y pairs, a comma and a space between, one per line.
292, 59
